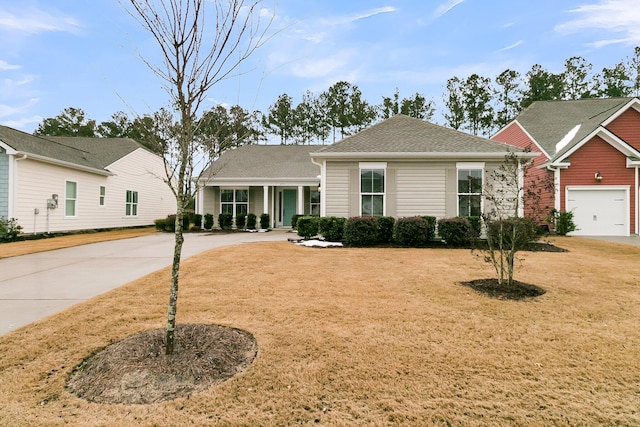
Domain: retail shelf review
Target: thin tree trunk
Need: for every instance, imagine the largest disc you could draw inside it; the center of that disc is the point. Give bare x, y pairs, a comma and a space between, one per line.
173, 294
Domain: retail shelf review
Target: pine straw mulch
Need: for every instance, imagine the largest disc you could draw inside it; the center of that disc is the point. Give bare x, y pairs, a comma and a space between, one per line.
136, 370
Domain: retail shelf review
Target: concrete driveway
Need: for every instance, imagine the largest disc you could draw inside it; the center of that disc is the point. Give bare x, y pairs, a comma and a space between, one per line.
38, 285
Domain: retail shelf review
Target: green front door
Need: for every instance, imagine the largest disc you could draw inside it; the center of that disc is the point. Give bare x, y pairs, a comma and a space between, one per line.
289, 202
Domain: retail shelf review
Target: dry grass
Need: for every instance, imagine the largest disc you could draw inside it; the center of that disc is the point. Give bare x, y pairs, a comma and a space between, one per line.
48, 244
363, 337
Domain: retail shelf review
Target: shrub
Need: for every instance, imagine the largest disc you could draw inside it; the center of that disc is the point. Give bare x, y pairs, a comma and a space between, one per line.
294, 220
456, 231
241, 220
431, 221
564, 222
385, 228
171, 223
9, 229
476, 225
513, 233
264, 221
307, 226
251, 221
208, 221
361, 231
186, 221
197, 220
161, 224
331, 228
413, 231
225, 221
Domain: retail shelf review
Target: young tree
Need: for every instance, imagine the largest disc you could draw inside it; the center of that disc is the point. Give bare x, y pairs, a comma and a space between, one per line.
477, 95
576, 84
508, 96
338, 104
454, 101
310, 120
362, 113
418, 107
71, 122
389, 106
201, 42
280, 119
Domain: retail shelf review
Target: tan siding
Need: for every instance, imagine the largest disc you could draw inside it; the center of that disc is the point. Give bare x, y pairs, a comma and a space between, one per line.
420, 191
209, 204
337, 188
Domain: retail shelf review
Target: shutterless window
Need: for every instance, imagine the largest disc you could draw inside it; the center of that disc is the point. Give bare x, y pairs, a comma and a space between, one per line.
469, 192
131, 205
234, 201
315, 203
70, 198
372, 192
103, 193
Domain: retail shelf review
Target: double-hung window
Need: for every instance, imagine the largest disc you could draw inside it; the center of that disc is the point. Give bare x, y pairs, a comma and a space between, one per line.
372, 188
70, 198
103, 193
234, 201
131, 205
315, 202
470, 189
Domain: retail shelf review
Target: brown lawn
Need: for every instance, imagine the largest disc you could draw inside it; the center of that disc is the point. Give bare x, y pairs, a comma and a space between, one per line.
41, 245
362, 337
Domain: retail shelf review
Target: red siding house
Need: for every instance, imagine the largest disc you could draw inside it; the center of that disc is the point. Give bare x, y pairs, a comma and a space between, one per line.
591, 152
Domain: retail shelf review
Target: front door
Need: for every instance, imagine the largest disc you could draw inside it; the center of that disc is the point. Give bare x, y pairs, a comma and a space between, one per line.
289, 203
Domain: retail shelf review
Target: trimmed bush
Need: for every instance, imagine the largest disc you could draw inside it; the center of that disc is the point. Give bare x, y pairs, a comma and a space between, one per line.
431, 221
516, 232
456, 231
225, 221
264, 221
413, 231
208, 221
307, 226
251, 221
197, 221
564, 222
170, 224
161, 224
385, 228
361, 231
9, 229
294, 220
241, 220
331, 228
476, 225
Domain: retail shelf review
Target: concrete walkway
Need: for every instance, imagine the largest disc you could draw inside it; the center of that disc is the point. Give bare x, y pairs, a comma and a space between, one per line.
37, 285
627, 240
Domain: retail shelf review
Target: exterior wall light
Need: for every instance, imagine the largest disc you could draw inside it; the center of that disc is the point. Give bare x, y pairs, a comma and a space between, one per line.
598, 176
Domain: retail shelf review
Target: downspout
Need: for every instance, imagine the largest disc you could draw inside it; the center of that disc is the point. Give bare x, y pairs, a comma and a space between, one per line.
13, 172
635, 190
323, 186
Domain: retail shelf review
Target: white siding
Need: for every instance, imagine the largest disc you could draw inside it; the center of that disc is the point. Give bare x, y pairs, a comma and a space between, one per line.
336, 192
140, 171
420, 191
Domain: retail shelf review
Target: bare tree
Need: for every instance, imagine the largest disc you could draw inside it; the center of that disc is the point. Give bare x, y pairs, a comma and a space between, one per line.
202, 42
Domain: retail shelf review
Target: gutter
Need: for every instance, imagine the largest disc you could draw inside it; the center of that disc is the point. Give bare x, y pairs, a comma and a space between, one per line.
69, 165
420, 156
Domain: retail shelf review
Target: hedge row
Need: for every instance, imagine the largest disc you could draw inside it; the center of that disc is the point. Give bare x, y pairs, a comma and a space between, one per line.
193, 221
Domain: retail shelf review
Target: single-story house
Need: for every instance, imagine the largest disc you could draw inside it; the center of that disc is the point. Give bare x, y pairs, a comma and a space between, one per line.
54, 184
591, 152
399, 167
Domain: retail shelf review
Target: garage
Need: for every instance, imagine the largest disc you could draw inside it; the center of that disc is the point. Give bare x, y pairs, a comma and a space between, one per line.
599, 211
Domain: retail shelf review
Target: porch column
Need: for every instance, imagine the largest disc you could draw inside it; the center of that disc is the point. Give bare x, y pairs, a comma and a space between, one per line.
300, 209
265, 205
200, 201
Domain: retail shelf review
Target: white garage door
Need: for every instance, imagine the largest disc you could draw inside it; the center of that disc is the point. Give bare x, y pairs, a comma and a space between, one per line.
599, 212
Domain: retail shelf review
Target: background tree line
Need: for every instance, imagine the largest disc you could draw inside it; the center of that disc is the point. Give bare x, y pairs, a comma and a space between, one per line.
476, 104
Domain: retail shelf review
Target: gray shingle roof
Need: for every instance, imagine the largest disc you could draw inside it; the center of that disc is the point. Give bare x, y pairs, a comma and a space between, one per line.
265, 161
548, 122
404, 134
93, 153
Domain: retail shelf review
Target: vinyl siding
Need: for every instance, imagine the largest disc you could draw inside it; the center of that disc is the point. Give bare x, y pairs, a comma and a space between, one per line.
420, 191
627, 126
4, 184
599, 156
338, 189
139, 171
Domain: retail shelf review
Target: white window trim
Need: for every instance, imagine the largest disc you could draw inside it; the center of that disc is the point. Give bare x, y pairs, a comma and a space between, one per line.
102, 198
311, 203
372, 166
126, 203
234, 203
75, 199
470, 166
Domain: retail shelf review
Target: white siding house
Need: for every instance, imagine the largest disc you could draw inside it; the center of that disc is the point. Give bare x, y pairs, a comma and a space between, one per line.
58, 184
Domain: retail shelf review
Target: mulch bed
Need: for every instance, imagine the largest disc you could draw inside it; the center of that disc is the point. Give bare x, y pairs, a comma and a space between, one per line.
137, 371
516, 291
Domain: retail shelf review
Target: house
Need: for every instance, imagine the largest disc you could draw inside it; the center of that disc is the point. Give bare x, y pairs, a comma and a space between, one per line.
591, 152
53, 184
399, 167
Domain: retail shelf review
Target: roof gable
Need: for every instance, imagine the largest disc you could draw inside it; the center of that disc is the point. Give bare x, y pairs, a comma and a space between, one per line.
403, 134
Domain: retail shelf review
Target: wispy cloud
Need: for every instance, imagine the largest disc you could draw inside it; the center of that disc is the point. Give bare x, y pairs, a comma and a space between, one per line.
35, 21
349, 19
614, 16
5, 66
445, 8
512, 46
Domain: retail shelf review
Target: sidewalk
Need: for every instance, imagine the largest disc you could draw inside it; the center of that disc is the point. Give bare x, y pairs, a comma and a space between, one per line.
38, 285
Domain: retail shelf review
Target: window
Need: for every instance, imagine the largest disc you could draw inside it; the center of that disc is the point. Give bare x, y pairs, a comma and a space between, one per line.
234, 202
70, 197
315, 203
470, 191
103, 192
372, 189
131, 205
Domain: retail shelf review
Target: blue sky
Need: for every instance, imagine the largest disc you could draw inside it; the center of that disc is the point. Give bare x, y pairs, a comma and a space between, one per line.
84, 54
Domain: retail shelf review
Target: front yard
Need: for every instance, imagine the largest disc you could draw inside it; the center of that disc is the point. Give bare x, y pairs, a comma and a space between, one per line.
363, 337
